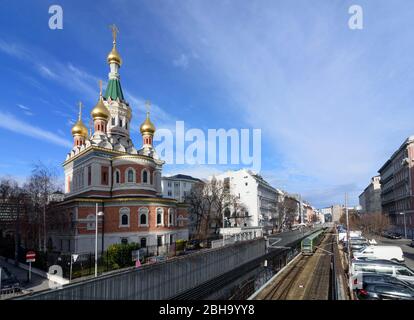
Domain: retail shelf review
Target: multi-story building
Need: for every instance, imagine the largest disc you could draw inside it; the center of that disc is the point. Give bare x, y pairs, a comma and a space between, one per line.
105, 172
370, 199
337, 211
178, 187
256, 194
397, 184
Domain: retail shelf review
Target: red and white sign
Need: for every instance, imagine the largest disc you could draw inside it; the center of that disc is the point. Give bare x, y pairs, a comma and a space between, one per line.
30, 256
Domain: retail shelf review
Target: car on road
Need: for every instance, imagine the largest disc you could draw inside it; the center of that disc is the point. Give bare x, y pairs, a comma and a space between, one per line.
193, 245
391, 235
9, 280
382, 267
393, 253
412, 243
383, 287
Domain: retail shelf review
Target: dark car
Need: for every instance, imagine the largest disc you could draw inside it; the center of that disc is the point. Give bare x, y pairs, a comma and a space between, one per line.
193, 245
412, 243
391, 235
9, 280
384, 287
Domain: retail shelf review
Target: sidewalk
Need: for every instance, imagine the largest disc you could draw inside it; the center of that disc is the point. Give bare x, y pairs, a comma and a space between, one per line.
38, 283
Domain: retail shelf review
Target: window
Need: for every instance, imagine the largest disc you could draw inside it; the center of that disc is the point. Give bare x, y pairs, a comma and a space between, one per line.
170, 217
91, 222
143, 242
120, 122
159, 241
171, 238
169, 193
113, 121
145, 176
403, 272
169, 184
160, 213
124, 217
89, 175
126, 125
130, 175
143, 216
117, 177
180, 222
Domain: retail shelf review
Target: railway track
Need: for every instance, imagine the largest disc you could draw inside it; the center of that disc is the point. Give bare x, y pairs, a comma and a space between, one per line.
283, 287
310, 278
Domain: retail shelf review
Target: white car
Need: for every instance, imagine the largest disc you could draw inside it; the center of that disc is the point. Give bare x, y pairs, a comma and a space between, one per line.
392, 253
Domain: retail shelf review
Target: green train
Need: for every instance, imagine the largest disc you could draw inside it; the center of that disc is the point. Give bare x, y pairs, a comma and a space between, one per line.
309, 244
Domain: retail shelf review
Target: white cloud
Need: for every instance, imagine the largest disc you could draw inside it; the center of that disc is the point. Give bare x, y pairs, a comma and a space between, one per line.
10, 122
181, 62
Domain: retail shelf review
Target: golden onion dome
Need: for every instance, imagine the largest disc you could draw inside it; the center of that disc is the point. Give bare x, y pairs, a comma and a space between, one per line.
147, 127
80, 129
100, 112
114, 57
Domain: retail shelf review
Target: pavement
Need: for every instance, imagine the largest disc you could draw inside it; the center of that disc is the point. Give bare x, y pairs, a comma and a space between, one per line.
37, 283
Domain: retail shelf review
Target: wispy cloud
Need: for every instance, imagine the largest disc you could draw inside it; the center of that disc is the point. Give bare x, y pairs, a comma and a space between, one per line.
10, 122
26, 110
182, 61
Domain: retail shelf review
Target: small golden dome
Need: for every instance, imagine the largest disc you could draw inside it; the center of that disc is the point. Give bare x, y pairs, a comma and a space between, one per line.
100, 112
147, 127
114, 57
80, 129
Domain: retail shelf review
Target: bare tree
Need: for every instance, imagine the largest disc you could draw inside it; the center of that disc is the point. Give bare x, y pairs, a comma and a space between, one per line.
41, 183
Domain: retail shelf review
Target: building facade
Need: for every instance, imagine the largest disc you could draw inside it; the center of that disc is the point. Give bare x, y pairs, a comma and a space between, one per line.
105, 172
397, 178
178, 187
370, 199
256, 194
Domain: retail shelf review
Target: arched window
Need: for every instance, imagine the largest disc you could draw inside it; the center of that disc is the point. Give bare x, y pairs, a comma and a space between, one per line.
160, 218
117, 177
113, 121
130, 175
124, 217
143, 216
143, 242
170, 217
144, 177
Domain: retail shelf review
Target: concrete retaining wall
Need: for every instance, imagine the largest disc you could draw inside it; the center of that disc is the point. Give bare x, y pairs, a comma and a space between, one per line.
161, 280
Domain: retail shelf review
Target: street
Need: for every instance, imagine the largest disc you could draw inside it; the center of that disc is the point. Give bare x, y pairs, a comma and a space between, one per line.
37, 283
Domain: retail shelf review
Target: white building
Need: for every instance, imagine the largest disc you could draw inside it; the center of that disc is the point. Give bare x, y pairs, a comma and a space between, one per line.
178, 186
256, 194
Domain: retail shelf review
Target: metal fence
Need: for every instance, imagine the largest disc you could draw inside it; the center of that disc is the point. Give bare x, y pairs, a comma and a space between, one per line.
161, 280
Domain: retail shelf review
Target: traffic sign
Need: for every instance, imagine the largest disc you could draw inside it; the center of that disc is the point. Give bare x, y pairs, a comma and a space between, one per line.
30, 256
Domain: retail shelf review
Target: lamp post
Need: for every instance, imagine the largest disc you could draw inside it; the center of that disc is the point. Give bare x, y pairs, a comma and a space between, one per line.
405, 226
100, 214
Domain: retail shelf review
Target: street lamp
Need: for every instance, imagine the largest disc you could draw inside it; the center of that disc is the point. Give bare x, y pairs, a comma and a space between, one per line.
405, 226
98, 214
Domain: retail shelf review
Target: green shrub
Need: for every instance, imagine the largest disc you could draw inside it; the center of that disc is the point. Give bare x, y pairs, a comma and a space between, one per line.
119, 255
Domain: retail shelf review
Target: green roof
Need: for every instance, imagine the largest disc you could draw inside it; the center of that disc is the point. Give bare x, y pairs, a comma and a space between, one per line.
114, 90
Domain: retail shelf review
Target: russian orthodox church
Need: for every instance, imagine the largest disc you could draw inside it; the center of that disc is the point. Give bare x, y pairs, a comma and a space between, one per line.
105, 169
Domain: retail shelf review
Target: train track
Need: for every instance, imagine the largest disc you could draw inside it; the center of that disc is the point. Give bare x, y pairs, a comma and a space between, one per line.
282, 288
310, 278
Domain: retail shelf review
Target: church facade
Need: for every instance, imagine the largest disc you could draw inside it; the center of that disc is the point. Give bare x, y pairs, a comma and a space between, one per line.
105, 172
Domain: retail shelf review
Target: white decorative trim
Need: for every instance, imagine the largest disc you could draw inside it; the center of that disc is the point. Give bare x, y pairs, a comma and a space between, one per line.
126, 175
126, 211
162, 217
147, 217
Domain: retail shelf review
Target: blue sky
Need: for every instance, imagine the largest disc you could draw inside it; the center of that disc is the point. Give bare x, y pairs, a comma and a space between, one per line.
332, 103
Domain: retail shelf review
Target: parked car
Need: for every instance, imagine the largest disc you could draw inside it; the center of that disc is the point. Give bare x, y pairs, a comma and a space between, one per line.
382, 287
412, 243
9, 280
392, 253
391, 235
193, 245
382, 267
